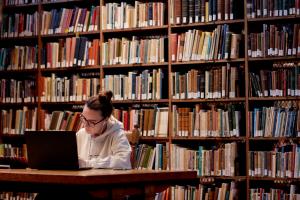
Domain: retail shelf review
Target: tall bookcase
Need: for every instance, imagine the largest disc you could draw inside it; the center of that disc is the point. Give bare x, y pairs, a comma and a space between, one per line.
240, 99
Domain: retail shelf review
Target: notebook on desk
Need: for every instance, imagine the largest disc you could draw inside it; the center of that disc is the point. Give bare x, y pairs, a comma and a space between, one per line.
52, 150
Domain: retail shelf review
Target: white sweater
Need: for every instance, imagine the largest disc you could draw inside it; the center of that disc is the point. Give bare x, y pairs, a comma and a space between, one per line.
109, 150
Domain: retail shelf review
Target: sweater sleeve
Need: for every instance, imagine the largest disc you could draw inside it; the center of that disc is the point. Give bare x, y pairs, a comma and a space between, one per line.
120, 158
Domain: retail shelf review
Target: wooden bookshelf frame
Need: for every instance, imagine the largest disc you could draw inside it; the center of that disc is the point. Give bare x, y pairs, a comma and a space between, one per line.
168, 29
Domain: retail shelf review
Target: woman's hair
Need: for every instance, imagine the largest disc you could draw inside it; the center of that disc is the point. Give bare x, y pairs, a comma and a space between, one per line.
101, 102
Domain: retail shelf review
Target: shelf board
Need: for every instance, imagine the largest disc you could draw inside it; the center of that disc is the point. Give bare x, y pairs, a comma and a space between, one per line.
153, 139
140, 29
258, 178
238, 99
63, 103
63, 2
164, 64
12, 136
275, 139
178, 138
273, 98
17, 72
279, 18
274, 58
208, 62
140, 101
18, 38
205, 179
12, 7
212, 23
45, 36
18, 104
64, 69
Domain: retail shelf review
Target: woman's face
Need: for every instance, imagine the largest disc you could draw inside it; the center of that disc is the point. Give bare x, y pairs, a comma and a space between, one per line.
93, 121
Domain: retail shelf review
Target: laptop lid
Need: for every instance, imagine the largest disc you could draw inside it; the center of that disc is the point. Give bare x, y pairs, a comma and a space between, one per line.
52, 150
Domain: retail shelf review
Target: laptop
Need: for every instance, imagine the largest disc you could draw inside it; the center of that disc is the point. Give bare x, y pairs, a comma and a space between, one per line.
55, 150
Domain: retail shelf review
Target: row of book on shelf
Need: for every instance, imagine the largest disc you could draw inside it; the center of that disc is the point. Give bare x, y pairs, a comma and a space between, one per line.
71, 20
18, 58
208, 161
219, 82
151, 157
275, 193
24, 2
19, 25
152, 121
275, 40
190, 11
148, 49
228, 191
16, 121
70, 52
148, 84
196, 11
283, 79
198, 121
196, 44
272, 8
193, 45
282, 162
124, 15
17, 91
275, 121
17, 195
7, 150
222, 191
202, 121
65, 89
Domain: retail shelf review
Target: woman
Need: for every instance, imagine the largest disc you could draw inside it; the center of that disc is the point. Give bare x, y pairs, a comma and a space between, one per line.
101, 142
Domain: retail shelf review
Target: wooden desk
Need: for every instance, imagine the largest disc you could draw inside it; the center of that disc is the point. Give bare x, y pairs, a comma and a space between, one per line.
105, 183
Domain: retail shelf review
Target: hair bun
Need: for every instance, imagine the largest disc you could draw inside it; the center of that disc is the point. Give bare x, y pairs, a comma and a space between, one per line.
108, 95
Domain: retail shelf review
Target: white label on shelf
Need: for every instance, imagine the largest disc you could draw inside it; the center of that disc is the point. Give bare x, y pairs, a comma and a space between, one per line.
280, 93
182, 95
265, 12
294, 52
226, 16
210, 18
197, 19
293, 93
275, 53
285, 13
202, 95
258, 13
231, 94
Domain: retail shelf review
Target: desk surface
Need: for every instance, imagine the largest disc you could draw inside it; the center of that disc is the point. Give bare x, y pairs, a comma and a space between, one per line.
93, 176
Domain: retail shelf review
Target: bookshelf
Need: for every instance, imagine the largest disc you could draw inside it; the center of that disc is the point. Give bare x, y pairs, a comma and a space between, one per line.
248, 24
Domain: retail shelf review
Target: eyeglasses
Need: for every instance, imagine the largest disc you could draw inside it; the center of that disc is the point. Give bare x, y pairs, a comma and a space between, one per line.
88, 122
